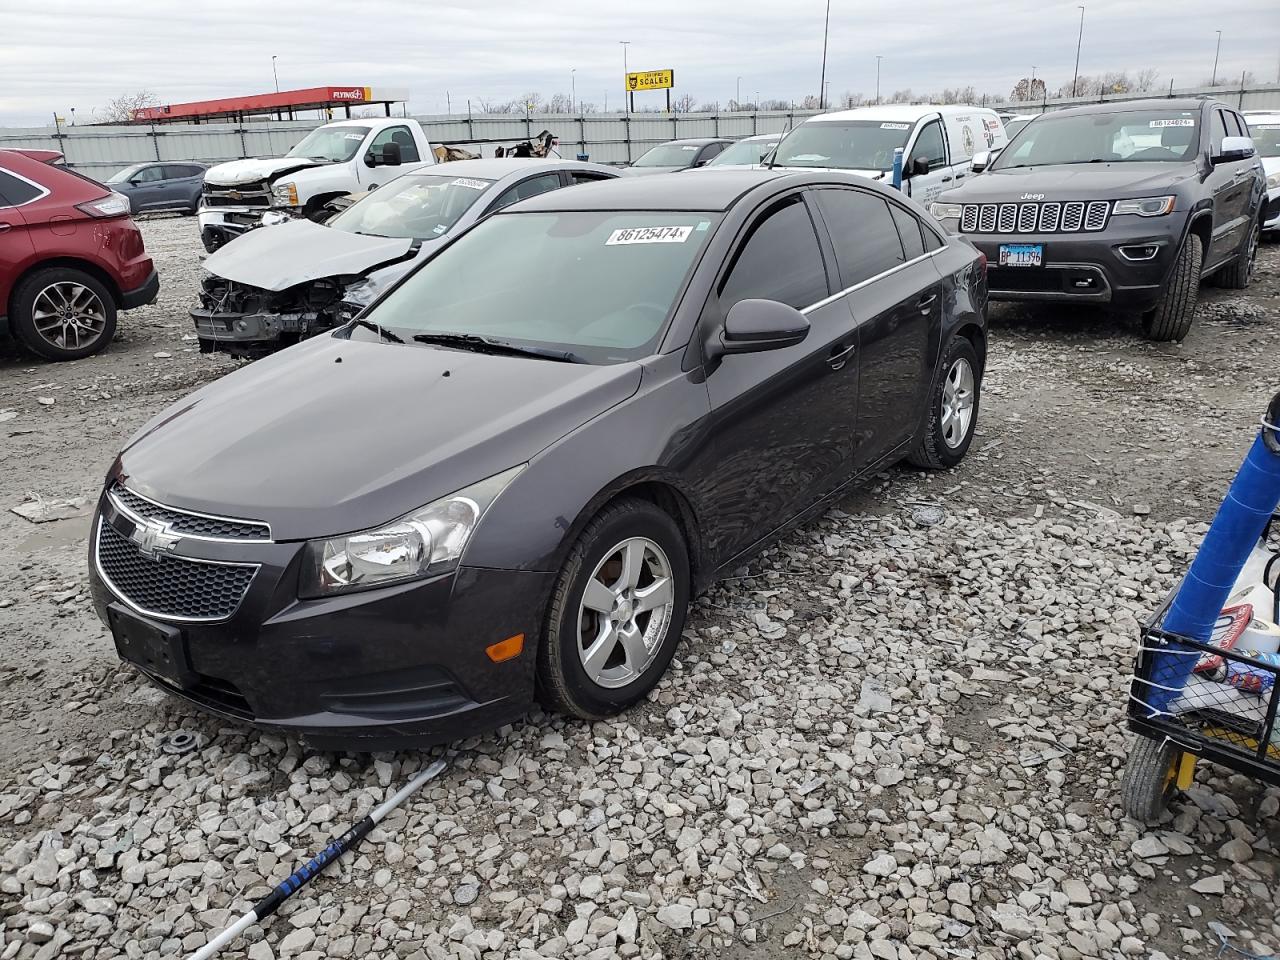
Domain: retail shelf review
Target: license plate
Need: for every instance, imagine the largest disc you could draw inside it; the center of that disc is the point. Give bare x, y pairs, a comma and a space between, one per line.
156, 648
1021, 254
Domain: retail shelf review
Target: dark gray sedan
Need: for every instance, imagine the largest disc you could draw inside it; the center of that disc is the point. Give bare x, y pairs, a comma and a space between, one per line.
508, 476
153, 187
676, 155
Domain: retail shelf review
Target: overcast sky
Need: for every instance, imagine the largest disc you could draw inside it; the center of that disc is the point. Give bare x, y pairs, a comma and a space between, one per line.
58, 54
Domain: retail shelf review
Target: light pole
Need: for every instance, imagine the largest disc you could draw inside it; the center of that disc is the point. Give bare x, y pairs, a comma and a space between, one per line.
274, 74
822, 84
878, 59
1079, 40
737, 97
1216, 51
627, 103
573, 87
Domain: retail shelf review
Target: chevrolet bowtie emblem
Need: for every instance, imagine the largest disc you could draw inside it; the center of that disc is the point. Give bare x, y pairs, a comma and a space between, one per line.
153, 538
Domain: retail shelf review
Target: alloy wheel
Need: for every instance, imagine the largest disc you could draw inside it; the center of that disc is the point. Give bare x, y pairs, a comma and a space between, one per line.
957, 403
625, 611
69, 315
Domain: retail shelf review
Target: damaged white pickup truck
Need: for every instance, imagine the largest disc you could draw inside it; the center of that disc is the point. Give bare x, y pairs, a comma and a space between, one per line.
282, 284
339, 158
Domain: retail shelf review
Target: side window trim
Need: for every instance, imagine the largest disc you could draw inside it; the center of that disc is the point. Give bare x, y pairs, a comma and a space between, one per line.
43, 191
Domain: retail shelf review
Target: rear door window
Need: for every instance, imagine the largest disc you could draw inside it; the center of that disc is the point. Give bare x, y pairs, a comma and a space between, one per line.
908, 231
543, 183
863, 234
583, 176
15, 191
780, 261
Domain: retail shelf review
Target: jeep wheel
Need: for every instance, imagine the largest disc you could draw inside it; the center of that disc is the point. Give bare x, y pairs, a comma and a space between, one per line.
1171, 317
1237, 274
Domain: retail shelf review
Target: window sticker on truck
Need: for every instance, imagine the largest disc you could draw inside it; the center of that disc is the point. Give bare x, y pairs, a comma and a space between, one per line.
353, 136
895, 126
1176, 122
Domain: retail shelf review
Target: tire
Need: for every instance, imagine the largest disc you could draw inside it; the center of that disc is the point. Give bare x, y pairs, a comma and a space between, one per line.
1237, 274
1149, 779
616, 680
947, 434
1172, 316
86, 327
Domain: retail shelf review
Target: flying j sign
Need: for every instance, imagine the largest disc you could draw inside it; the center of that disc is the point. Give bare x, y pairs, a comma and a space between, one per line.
651, 80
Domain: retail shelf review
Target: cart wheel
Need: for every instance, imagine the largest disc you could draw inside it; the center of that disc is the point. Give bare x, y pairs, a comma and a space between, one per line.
1150, 778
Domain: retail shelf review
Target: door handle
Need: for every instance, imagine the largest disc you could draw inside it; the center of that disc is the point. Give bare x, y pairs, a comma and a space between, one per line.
946, 179
959, 176
840, 356
5, 226
925, 303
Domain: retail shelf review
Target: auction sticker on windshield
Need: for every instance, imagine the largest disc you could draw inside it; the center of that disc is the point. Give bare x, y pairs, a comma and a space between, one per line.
1021, 254
895, 126
648, 235
468, 182
1175, 122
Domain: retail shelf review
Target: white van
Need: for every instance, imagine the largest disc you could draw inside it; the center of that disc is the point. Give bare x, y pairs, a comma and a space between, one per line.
938, 143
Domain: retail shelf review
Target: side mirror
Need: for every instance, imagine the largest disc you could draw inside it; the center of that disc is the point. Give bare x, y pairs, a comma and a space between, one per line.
917, 168
754, 326
981, 160
135, 182
1234, 148
391, 154
702, 163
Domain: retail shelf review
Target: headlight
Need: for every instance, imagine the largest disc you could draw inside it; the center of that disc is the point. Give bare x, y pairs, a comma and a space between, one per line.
1273, 180
427, 542
285, 194
946, 211
1145, 207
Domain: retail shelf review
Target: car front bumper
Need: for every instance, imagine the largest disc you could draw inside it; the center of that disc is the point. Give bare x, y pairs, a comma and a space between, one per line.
1086, 267
242, 333
1271, 218
398, 666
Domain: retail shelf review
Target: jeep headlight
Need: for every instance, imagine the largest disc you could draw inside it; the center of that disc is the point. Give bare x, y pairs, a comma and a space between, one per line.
285, 194
425, 543
948, 214
1145, 206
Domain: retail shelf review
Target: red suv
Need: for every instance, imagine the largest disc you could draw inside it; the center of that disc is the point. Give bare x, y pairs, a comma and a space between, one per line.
70, 257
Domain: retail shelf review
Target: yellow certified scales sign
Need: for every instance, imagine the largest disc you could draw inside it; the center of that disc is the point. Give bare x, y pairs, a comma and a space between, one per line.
651, 80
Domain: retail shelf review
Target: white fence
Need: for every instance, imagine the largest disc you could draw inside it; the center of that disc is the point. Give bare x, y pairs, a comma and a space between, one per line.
99, 151
1263, 97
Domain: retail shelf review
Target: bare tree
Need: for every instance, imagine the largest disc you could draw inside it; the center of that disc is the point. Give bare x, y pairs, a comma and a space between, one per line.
849, 100
120, 109
1146, 80
683, 103
559, 103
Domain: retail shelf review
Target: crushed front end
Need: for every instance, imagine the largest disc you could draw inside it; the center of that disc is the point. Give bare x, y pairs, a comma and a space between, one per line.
248, 321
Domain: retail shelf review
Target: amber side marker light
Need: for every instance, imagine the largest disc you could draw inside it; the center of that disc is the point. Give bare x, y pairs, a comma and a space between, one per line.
507, 649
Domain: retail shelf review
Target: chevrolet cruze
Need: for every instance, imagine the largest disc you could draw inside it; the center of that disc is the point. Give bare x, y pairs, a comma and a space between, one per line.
505, 479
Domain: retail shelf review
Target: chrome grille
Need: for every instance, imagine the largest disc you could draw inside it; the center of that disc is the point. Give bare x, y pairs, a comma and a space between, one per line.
186, 523
1096, 218
1053, 216
173, 587
255, 194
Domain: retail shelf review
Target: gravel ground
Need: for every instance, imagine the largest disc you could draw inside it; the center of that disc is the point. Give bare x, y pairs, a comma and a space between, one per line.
881, 739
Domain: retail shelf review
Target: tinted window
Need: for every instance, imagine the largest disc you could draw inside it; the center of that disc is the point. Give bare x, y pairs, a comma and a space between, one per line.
526, 189
710, 152
780, 261
931, 240
929, 146
1219, 130
908, 232
400, 135
863, 233
173, 171
1242, 128
15, 192
579, 176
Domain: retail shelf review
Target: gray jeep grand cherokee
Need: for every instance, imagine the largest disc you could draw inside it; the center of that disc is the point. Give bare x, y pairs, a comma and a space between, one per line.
1128, 204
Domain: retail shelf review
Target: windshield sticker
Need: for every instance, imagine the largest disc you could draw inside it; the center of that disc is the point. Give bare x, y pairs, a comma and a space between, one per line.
470, 184
648, 235
353, 136
1264, 126
1176, 122
702, 225
440, 228
895, 126
688, 148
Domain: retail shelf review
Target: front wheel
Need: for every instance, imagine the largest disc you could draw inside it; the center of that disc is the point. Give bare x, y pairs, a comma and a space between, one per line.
953, 409
1171, 317
617, 612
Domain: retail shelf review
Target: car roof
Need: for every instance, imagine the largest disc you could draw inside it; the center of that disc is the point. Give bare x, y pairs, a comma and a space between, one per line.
896, 111
1125, 106
495, 168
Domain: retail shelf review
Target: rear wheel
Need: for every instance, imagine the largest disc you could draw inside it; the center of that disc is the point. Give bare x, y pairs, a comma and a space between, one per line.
617, 612
1237, 274
1174, 312
953, 409
61, 313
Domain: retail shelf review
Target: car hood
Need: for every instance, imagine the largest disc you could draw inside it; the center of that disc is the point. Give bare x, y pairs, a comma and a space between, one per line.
1073, 181
276, 258
255, 169
1270, 165
333, 436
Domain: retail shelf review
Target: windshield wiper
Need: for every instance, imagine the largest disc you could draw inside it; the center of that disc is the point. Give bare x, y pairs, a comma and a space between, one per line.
468, 341
380, 330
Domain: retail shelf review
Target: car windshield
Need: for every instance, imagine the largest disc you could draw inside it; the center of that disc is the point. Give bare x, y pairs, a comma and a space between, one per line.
1266, 137
598, 285
844, 144
1128, 136
743, 153
669, 155
124, 175
330, 143
421, 207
